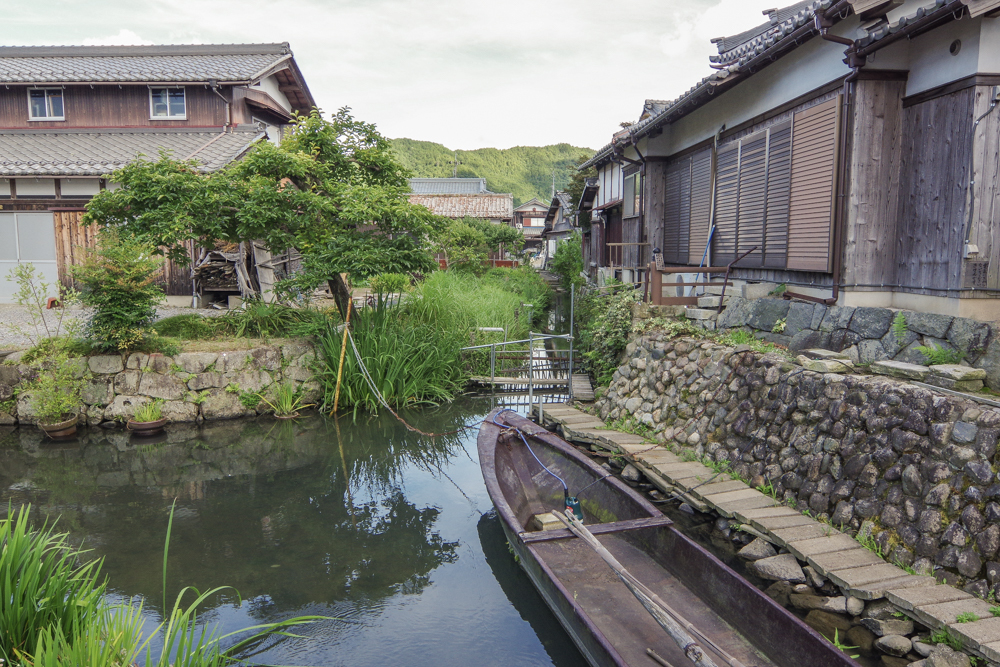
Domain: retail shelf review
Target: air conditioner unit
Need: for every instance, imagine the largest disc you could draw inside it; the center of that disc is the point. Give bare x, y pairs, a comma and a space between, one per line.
685, 290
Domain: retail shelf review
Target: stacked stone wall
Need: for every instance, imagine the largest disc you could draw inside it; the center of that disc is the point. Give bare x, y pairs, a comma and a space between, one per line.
918, 466
194, 386
865, 334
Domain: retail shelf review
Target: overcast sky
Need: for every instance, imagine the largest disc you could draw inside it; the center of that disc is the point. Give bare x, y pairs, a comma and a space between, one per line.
464, 73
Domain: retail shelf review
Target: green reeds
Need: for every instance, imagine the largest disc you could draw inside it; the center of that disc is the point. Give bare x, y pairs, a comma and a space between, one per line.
53, 611
411, 363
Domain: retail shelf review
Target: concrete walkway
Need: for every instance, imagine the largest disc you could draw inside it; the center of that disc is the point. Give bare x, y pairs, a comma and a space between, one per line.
835, 555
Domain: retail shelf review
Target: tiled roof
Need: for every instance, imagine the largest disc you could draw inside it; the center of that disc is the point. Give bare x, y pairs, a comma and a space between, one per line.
487, 206
884, 29
98, 153
102, 64
729, 64
448, 186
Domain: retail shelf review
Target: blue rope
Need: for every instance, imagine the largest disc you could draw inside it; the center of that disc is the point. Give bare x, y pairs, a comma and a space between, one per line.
525, 441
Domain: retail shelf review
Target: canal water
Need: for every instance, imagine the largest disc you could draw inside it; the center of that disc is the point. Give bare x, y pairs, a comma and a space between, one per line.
389, 533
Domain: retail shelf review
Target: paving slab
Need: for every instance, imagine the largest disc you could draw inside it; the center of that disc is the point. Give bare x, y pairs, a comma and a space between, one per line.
769, 512
681, 468
624, 438
732, 496
657, 456
876, 590
861, 576
577, 417
986, 631
645, 447
809, 531
990, 650
945, 613
715, 488
821, 545
844, 560
737, 508
770, 523
909, 598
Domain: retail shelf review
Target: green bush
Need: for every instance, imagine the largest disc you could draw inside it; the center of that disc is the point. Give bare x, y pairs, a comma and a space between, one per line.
567, 263
390, 283
189, 327
56, 392
117, 281
604, 320
259, 319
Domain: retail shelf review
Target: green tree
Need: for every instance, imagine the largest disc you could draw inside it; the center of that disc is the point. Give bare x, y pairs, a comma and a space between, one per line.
467, 242
567, 263
333, 189
577, 182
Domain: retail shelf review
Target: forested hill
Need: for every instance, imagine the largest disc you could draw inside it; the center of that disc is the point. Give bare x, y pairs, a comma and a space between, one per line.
524, 171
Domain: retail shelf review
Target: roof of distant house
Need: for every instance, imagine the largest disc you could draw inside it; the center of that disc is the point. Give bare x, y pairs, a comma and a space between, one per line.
448, 186
74, 152
179, 63
489, 206
534, 202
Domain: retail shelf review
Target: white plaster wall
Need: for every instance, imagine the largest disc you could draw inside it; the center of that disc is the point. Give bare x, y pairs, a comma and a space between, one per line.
931, 65
610, 180
989, 46
36, 187
270, 86
812, 65
79, 187
4, 187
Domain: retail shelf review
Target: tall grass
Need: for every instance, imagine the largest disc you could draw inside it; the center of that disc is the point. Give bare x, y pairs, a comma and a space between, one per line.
410, 362
53, 612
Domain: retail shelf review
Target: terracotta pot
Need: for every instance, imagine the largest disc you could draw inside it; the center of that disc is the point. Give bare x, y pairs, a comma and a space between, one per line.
61, 430
291, 416
146, 428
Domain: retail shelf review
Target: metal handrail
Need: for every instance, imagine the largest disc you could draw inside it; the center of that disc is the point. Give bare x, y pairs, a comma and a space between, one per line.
532, 339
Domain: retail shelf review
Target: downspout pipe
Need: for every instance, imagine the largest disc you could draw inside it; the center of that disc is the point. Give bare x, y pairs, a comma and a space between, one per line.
214, 85
823, 25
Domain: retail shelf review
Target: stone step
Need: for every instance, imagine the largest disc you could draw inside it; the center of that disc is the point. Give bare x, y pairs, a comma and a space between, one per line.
700, 314
710, 301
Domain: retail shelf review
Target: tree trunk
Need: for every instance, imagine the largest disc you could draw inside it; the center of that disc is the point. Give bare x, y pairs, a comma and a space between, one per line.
341, 293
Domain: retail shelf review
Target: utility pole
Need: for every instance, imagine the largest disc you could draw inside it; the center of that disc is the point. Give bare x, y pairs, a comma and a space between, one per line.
553, 183
454, 173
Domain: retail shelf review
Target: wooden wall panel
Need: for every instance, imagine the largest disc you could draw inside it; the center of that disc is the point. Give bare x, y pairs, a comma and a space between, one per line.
932, 207
813, 188
870, 237
111, 106
753, 197
654, 183
677, 210
701, 205
986, 206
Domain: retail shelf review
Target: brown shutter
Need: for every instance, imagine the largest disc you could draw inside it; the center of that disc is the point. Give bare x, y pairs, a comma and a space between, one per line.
813, 186
753, 197
727, 188
701, 203
677, 212
779, 171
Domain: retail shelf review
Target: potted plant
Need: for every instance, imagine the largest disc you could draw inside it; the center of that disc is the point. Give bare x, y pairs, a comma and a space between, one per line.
287, 402
56, 394
148, 419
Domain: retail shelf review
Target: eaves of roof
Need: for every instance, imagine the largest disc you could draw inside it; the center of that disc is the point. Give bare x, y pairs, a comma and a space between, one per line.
929, 14
760, 51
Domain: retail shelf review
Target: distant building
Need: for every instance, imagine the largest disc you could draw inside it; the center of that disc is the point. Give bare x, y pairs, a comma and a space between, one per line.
560, 222
529, 217
462, 198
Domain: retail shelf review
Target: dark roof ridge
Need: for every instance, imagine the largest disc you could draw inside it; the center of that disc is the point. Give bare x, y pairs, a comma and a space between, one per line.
242, 128
281, 48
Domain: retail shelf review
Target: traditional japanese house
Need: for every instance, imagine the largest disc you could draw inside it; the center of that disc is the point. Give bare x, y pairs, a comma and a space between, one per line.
560, 223
71, 115
529, 217
847, 149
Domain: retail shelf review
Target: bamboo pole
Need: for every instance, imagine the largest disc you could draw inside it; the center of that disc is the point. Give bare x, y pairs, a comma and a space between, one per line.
343, 349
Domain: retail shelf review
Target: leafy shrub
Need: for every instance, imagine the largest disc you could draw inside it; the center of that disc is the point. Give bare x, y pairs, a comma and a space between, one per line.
149, 411
605, 323
118, 282
259, 319
390, 283
56, 392
287, 400
33, 294
567, 263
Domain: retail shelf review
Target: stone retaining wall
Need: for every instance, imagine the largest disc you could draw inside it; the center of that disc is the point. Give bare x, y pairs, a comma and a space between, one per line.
866, 334
917, 465
194, 386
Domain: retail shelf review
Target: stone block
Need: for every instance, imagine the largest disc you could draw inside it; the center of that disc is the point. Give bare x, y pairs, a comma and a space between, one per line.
825, 365
990, 362
98, 391
911, 355
137, 361
206, 381
969, 336
700, 314
766, 312
900, 369
123, 407
958, 372
799, 318
709, 301
196, 362
298, 374
221, 404
837, 317
954, 385
752, 291
780, 568
808, 339
127, 382
928, 324
231, 361
818, 353
871, 322
736, 314
180, 411
871, 350
265, 358
159, 363
106, 364
166, 387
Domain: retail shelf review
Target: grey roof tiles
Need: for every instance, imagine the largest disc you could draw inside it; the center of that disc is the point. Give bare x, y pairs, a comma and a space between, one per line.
448, 186
98, 153
138, 64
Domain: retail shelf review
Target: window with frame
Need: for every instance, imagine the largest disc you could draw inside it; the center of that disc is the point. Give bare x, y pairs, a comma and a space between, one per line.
167, 103
45, 104
632, 204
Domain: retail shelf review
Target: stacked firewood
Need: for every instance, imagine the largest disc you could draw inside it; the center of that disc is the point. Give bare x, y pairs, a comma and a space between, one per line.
217, 270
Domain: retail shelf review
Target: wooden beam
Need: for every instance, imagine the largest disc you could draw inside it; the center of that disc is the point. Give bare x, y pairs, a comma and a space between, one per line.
989, 8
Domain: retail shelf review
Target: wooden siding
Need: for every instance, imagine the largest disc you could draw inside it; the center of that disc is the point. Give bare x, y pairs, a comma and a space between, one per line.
73, 239
657, 210
779, 175
986, 206
701, 205
814, 173
677, 212
111, 106
727, 197
870, 238
753, 197
932, 209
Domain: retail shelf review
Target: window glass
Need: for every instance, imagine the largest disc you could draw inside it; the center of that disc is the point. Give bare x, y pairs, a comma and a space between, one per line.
167, 102
37, 103
55, 102
45, 103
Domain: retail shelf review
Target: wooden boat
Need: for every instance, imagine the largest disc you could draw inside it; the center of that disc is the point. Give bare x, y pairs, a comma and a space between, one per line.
601, 615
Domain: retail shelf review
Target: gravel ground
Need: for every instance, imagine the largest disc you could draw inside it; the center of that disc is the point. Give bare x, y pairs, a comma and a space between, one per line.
15, 322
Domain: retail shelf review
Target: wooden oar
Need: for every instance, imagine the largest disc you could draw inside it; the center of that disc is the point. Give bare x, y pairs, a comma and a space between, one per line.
679, 628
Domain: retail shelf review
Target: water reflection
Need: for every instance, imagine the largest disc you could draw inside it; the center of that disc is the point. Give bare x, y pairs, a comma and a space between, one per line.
361, 520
